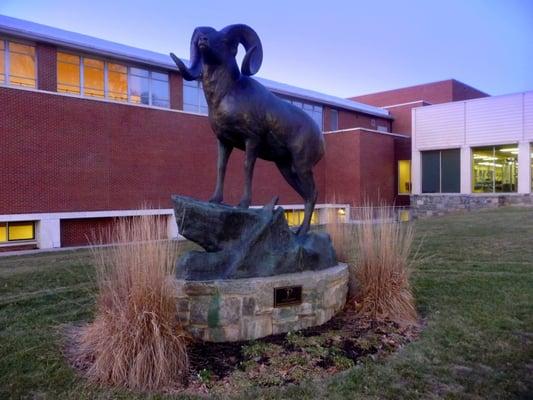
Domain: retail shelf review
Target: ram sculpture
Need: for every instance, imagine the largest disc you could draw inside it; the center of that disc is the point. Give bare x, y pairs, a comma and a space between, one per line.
246, 115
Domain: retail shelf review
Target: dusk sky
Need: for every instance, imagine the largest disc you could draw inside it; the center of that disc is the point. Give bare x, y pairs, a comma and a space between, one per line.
342, 48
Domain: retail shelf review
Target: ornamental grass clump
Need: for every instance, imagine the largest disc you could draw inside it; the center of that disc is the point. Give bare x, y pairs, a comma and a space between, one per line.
135, 340
378, 249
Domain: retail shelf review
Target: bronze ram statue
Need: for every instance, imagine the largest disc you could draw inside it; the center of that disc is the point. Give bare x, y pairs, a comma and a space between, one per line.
246, 115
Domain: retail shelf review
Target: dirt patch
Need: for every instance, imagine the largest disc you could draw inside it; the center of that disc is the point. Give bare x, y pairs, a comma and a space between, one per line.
343, 342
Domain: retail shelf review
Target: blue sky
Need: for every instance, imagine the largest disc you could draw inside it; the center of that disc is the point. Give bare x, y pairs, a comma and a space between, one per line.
342, 48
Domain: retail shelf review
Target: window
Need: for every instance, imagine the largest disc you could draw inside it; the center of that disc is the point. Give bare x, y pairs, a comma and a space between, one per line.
97, 78
383, 128
139, 86
93, 77
68, 73
2, 62
117, 82
194, 97
17, 64
333, 120
160, 93
296, 217
495, 169
14, 231
441, 171
404, 176
313, 110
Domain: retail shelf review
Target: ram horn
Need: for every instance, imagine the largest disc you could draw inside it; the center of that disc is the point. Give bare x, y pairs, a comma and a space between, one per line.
195, 70
250, 40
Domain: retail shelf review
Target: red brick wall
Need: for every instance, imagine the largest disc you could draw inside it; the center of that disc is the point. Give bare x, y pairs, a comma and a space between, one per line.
377, 168
462, 91
176, 91
349, 120
342, 162
361, 167
85, 231
18, 247
435, 92
402, 122
47, 67
81, 232
108, 156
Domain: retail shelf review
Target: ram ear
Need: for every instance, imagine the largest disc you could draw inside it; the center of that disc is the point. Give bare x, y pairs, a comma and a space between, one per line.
252, 44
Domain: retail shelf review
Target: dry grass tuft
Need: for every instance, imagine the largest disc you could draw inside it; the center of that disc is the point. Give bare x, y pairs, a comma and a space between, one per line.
135, 340
378, 249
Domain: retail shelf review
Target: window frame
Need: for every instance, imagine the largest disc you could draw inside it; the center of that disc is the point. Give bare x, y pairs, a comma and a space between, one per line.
410, 182
494, 147
106, 61
7, 61
9, 241
439, 151
198, 102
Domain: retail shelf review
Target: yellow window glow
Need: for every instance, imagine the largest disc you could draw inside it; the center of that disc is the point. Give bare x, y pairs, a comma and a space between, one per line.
21, 64
3, 232
2, 66
117, 82
296, 217
68, 73
404, 176
20, 231
93, 77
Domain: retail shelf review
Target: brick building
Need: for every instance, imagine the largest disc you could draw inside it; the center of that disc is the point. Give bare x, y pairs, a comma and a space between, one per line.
92, 130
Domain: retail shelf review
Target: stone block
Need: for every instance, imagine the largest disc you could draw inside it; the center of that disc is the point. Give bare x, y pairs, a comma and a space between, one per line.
227, 315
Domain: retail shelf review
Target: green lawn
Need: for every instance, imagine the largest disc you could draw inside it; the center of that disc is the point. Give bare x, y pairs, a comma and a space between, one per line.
474, 289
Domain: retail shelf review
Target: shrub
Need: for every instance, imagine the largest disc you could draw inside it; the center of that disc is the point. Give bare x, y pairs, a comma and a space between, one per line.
135, 340
378, 249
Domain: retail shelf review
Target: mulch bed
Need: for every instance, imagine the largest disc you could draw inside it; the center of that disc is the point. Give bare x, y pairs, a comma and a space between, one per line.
343, 342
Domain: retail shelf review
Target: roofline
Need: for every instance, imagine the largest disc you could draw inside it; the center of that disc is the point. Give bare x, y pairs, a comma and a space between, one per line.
128, 54
418, 85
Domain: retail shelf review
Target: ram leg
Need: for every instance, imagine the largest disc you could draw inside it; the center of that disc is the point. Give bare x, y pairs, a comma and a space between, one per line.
310, 194
224, 152
249, 163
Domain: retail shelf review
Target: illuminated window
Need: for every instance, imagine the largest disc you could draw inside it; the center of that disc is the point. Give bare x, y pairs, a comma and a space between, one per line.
2, 62
68, 73
441, 171
14, 231
296, 217
96, 78
117, 82
3, 232
404, 176
495, 169
194, 97
93, 77
17, 64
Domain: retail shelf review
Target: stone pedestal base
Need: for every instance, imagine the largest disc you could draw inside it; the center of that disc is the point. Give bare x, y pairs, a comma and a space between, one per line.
245, 309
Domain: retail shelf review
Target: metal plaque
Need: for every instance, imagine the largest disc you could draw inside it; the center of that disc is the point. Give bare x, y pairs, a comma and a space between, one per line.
287, 296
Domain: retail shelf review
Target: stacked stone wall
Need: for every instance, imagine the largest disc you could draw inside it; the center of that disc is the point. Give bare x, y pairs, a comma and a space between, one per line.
427, 205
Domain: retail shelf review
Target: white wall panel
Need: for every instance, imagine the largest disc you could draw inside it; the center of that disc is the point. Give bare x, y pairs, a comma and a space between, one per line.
528, 116
494, 120
440, 126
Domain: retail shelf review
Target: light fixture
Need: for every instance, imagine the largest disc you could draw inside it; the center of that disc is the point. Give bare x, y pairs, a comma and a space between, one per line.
513, 150
341, 211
